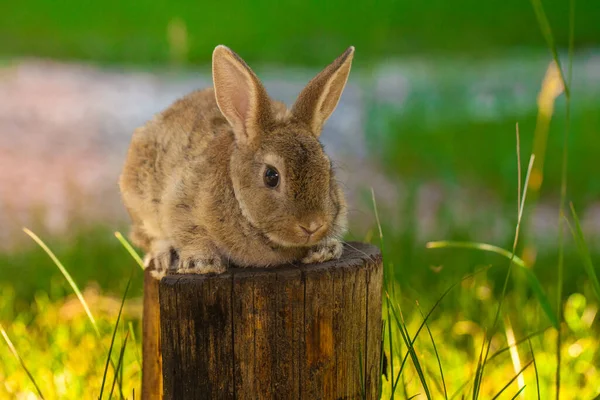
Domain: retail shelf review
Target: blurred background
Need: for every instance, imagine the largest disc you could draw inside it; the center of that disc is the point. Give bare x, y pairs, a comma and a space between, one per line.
427, 121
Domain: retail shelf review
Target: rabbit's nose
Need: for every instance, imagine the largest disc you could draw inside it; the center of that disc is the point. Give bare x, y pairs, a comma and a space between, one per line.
313, 227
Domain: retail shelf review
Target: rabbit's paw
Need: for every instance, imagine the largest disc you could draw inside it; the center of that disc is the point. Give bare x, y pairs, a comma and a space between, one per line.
198, 264
162, 262
328, 250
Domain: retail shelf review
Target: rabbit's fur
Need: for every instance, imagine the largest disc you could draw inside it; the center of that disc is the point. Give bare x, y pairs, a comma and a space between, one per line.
194, 178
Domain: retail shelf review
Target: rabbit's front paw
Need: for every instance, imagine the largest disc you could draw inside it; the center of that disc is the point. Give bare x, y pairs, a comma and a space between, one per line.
161, 261
328, 250
200, 265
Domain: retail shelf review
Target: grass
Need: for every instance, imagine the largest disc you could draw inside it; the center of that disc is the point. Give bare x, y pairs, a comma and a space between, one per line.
13, 350
67, 348
584, 252
147, 32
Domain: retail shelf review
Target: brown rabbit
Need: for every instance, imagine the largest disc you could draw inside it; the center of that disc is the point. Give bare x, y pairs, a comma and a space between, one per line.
229, 175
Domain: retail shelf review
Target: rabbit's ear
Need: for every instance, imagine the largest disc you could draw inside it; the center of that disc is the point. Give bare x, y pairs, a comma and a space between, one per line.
319, 98
240, 96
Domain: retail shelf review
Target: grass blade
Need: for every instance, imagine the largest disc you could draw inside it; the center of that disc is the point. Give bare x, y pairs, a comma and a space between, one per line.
584, 251
476, 246
479, 370
390, 340
518, 393
138, 357
13, 350
539, 293
437, 356
518, 342
363, 393
479, 377
112, 342
413, 354
533, 281
377, 216
119, 366
460, 389
381, 353
67, 276
537, 378
514, 351
547, 32
540, 14
518, 168
512, 380
130, 249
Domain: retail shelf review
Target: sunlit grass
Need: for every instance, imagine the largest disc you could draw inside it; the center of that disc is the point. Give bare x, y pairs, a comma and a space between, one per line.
130, 249
584, 251
69, 361
67, 276
15, 353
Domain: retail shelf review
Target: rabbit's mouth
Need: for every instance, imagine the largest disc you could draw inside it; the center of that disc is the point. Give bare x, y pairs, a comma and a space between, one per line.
300, 235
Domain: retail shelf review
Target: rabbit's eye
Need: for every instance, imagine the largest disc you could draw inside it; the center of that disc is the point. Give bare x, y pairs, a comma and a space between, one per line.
271, 177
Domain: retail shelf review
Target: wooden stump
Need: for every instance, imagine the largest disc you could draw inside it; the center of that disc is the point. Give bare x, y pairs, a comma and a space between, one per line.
297, 331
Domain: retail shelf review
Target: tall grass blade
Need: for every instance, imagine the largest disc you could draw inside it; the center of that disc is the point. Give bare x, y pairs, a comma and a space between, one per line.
519, 174
387, 302
512, 380
363, 393
532, 280
437, 356
547, 32
119, 365
460, 389
584, 251
413, 354
518, 393
130, 249
514, 352
518, 342
537, 377
508, 273
479, 370
14, 352
540, 295
544, 25
67, 276
120, 369
381, 353
413, 396
138, 357
387, 272
112, 341
476, 246
377, 216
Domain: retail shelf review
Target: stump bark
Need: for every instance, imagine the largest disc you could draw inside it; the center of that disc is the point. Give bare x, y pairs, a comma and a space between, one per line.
296, 331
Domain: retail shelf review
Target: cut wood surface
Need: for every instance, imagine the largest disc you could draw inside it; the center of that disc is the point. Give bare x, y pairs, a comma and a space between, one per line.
295, 331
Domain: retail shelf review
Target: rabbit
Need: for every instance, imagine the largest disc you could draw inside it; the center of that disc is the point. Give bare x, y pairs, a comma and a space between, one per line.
228, 175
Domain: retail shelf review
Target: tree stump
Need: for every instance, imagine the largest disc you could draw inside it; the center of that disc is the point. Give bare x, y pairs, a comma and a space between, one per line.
296, 331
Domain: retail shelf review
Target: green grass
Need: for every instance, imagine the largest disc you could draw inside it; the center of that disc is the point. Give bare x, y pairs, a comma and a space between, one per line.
482, 154
294, 32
